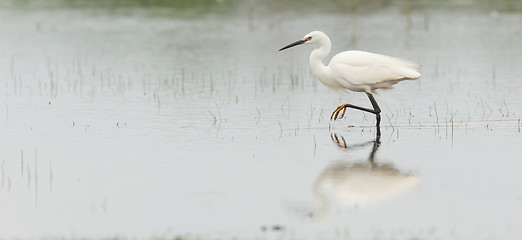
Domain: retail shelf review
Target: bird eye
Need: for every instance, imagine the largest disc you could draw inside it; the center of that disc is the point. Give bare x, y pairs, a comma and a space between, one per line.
308, 38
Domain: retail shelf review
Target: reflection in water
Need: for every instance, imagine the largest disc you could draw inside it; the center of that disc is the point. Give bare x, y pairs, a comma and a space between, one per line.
363, 182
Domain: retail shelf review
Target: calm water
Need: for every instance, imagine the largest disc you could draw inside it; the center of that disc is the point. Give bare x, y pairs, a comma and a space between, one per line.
183, 119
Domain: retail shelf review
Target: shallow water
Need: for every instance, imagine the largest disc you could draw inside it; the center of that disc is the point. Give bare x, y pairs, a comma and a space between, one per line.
163, 120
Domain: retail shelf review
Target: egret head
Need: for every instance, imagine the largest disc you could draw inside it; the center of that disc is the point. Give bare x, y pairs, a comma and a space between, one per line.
313, 37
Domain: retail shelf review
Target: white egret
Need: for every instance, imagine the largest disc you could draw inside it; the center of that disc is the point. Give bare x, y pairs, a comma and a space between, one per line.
356, 71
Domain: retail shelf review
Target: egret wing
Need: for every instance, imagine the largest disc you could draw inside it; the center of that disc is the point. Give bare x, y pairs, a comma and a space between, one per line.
358, 67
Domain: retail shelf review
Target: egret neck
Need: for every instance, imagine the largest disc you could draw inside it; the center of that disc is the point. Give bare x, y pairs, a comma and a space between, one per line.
316, 61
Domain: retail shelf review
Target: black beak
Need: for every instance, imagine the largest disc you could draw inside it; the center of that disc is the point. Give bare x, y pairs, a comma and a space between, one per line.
293, 44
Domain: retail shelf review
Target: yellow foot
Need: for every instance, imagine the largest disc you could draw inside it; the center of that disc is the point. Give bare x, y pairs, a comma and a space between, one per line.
335, 113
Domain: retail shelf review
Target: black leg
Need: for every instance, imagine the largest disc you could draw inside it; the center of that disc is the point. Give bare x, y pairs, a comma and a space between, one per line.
376, 110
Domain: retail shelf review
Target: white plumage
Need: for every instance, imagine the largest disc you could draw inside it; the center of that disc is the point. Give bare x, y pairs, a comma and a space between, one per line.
358, 68
357, 71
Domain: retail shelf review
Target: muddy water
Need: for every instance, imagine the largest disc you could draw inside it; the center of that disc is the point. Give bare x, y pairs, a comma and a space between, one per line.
183, 120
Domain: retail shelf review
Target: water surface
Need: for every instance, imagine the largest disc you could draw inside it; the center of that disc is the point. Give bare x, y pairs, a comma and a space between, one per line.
182, 119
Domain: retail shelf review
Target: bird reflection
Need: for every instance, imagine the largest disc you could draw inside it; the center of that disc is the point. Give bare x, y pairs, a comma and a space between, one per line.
353, 184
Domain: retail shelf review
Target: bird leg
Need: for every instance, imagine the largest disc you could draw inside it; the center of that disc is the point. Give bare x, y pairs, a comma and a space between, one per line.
376, 110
